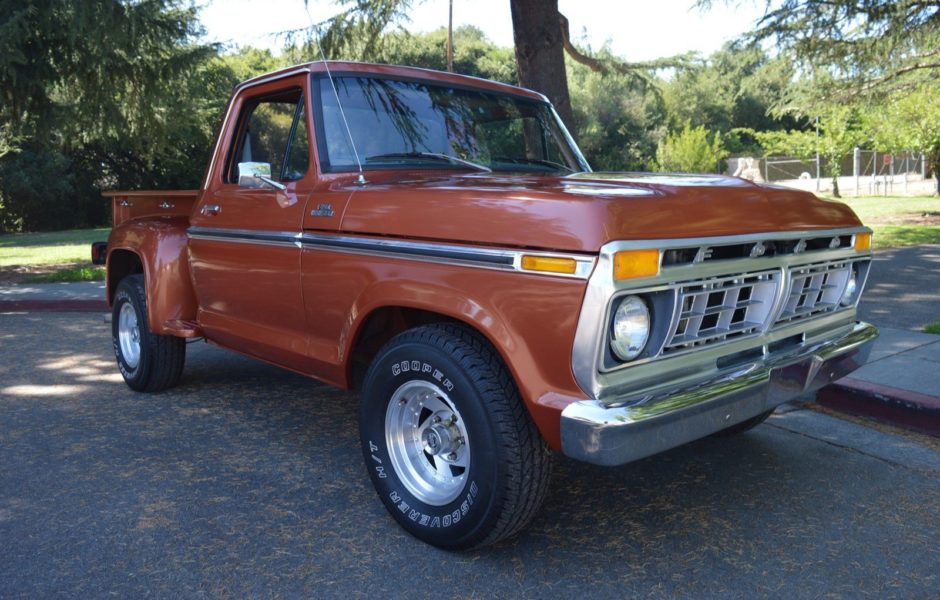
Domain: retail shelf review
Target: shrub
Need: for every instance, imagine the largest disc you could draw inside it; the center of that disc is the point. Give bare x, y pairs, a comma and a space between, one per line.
692, 150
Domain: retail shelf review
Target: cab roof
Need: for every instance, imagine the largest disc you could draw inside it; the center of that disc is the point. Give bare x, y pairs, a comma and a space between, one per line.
338, 67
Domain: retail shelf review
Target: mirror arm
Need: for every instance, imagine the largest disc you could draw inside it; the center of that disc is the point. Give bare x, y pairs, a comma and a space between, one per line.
274, 184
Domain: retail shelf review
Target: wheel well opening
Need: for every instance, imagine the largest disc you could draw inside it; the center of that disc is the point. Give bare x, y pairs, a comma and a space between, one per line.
121, 263
380, 327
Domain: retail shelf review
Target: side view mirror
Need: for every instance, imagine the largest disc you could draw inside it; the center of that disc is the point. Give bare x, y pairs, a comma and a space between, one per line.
257, 175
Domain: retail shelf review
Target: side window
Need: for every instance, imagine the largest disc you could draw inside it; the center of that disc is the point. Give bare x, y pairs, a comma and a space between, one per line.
273, 131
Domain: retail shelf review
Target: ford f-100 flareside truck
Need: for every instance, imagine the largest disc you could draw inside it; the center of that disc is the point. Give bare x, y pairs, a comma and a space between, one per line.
438, 243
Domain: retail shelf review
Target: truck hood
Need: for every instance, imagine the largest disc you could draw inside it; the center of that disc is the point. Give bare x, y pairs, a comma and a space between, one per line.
582, 212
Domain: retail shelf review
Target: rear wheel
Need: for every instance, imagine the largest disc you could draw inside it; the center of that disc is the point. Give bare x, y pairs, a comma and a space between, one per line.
148, 362
447, 440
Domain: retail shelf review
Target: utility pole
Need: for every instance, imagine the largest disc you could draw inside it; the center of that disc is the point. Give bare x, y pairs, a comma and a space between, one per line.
856, 166
450, 37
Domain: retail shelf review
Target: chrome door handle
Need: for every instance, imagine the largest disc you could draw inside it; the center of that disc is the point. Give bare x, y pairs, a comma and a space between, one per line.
165, 205
210, 209
124, 203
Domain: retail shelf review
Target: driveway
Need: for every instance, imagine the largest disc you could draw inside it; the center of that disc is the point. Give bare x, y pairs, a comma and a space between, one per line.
246, 481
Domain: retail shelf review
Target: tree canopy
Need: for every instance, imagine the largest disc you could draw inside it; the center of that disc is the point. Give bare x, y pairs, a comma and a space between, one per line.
96, 94
124, 94
874, 46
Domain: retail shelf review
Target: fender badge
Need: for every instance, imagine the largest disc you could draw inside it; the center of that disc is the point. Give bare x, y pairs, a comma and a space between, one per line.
322, 210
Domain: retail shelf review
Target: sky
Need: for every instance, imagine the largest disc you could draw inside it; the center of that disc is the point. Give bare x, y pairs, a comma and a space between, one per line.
636, 29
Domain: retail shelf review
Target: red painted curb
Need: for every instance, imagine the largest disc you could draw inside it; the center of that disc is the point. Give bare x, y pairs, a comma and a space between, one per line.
911, 410
53, 306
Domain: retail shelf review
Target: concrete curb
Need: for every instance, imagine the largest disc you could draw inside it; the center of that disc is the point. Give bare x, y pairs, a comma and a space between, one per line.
72, 305
911, 410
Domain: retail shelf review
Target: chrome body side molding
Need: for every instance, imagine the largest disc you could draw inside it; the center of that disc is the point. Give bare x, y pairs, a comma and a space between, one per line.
503, 259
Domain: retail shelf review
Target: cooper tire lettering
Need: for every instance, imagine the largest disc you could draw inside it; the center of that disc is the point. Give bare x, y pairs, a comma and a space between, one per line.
448, 392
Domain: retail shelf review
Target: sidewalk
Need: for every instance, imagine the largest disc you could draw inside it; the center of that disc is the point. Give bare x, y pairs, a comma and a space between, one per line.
84, 296
900, 384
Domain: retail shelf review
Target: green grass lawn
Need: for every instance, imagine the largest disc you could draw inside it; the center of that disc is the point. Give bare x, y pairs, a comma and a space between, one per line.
933, 328
52, 248
89, 273
882, 214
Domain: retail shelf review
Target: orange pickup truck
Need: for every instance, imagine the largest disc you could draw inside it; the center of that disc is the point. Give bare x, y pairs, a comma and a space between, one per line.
439, 243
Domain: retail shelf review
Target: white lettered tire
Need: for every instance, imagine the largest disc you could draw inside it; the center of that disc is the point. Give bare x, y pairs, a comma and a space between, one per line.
447, 440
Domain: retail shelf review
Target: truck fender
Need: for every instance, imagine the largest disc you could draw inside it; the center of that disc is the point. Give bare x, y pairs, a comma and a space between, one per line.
447, 302
545, 387
161, 251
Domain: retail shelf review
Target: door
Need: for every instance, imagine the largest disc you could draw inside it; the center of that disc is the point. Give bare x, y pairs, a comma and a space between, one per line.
244, 252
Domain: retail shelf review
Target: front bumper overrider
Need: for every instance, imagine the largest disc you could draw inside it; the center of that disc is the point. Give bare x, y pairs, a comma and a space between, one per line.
612, 433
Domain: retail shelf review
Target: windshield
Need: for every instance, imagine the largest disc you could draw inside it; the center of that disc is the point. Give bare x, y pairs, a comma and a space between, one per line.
398, 124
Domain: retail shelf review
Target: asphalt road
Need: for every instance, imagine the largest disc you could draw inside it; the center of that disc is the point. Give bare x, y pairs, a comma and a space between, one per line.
247, 482
903, 289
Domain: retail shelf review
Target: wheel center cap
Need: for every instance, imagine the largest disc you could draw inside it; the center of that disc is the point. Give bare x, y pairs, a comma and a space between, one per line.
438, 439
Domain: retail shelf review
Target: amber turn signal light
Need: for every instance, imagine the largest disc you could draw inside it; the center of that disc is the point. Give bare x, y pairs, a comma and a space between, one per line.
631, 264
862, 242
549, 264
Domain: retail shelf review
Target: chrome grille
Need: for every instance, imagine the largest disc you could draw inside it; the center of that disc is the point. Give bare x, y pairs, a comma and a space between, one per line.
716, 309
814, 289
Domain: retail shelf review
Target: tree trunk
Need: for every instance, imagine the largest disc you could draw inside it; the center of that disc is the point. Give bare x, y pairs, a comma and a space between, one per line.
540, 52
835, 187
935, 166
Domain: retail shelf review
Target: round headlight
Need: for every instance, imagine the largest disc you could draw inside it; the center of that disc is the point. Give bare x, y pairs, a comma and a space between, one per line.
631, 328
851, 288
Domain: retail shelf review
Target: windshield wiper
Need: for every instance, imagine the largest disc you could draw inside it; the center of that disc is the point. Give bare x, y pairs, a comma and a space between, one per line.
533, 161
432, 155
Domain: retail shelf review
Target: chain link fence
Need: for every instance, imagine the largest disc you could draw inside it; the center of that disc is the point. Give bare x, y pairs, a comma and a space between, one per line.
864, 173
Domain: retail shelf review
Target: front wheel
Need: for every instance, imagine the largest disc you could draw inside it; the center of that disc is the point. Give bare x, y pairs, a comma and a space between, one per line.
447, 440
148, 362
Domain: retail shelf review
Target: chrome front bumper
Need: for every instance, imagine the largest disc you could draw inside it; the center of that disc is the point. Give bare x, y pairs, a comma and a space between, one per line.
606, 433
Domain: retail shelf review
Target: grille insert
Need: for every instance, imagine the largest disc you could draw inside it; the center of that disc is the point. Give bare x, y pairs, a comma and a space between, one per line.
720, 308
815, 289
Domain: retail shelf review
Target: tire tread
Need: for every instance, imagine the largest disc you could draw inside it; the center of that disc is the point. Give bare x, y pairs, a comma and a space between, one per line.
527, 459
168, 353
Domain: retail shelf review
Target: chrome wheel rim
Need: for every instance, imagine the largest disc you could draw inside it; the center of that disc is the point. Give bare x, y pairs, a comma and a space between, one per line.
129, 335
427, 442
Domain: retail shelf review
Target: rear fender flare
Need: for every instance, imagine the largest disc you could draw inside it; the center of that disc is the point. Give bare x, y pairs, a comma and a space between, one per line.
162, 248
